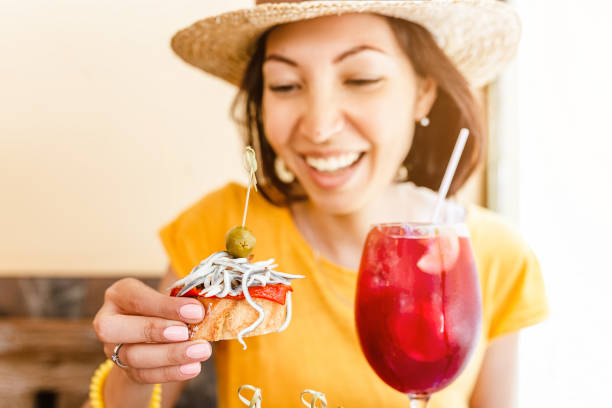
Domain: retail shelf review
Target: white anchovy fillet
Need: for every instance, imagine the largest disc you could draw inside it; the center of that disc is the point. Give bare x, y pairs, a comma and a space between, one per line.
221, 275
255, 401
260, 319
315, 396
288, 316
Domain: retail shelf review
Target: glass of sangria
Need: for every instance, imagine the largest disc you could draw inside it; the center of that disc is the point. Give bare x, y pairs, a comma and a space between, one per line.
418, 305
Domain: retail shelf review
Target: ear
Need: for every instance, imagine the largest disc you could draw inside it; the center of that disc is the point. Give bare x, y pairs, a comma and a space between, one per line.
427, 93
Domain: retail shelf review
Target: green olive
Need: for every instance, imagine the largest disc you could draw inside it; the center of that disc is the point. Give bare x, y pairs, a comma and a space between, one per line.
240, 242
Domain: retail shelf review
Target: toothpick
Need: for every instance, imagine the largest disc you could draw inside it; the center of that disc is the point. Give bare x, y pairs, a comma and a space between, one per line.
249, 162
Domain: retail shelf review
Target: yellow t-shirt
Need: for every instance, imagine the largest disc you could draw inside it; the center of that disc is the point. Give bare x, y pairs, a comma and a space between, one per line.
320, 349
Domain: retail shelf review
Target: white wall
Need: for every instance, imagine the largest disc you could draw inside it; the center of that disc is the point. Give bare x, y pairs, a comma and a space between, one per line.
565, 197
104, 134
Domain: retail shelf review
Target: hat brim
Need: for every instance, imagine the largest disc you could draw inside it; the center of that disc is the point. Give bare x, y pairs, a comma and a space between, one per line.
480, 36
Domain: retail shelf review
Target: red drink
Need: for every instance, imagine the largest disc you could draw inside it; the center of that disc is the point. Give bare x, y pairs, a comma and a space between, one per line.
418, 305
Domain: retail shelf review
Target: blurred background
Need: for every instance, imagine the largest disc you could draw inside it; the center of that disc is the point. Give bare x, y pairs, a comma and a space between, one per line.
105, 136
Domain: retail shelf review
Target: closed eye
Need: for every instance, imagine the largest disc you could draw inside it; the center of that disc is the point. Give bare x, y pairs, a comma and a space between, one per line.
283, 88
362, 81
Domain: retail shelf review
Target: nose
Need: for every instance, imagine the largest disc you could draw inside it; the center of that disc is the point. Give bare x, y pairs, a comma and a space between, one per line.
322, 118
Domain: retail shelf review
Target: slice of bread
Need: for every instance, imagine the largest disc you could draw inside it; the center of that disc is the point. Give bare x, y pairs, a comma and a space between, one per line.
225, 318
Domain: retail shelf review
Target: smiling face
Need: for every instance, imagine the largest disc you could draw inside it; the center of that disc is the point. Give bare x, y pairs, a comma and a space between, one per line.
340, 103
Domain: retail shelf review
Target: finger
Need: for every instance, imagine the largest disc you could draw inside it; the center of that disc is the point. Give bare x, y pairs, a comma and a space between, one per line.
138, 356
133, 297
139, 329
165, 374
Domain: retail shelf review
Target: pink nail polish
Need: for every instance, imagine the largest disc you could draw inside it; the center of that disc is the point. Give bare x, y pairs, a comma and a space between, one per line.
199, 350
176, 333
192, 312
192, 368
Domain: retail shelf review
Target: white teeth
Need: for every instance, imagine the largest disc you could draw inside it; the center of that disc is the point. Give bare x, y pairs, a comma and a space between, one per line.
332, 163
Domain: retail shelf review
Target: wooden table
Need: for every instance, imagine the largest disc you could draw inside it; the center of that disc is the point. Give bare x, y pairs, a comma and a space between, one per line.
48, 349
46, 362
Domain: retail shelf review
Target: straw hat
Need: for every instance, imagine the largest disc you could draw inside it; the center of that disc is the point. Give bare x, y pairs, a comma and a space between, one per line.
479, 36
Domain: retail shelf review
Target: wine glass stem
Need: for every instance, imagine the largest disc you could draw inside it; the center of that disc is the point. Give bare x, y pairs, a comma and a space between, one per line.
418, 401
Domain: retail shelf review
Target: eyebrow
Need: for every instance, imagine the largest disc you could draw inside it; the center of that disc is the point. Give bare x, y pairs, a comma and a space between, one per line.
339, 58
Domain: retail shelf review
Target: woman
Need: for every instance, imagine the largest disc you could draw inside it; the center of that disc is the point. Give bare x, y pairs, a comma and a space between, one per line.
350, 106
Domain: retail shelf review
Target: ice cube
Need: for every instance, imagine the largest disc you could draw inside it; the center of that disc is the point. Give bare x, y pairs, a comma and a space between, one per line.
441, 254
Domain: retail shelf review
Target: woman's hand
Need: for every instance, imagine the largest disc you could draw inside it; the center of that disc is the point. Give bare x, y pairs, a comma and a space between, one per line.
152, 328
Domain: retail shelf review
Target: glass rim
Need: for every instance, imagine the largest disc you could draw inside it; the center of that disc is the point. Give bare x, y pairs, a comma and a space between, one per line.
417, 224
421, 229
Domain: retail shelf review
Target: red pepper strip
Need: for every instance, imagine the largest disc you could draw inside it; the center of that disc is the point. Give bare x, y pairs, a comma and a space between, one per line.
276, 293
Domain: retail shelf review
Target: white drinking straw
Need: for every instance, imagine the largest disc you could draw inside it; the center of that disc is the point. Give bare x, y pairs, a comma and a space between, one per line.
450, 172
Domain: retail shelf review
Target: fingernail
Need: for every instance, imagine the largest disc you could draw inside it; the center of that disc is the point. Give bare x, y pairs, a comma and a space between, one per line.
199, 350
192, 312
192, 368
176, 333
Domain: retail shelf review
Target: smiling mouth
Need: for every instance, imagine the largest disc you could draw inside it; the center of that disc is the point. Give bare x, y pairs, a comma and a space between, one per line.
333, 164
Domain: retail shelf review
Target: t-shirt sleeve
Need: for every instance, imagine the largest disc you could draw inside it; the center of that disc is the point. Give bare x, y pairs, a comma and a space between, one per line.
520, 298
516, 289
200, 229
176, 248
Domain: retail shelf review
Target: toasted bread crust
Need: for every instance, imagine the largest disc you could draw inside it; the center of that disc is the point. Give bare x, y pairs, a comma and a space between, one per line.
225, 318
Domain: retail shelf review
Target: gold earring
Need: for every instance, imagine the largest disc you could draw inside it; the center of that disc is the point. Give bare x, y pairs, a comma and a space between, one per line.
402, 174
282, 172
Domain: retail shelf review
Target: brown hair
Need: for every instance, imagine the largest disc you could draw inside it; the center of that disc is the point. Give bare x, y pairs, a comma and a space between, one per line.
455, 107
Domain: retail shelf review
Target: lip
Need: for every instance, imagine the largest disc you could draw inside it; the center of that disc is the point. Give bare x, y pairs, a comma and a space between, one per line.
335, 180
325, 154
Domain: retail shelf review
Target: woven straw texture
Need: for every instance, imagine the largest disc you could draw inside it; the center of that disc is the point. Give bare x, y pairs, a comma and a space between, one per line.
479, 36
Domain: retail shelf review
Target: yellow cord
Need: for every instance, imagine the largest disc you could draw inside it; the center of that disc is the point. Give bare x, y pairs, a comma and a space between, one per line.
96, 388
